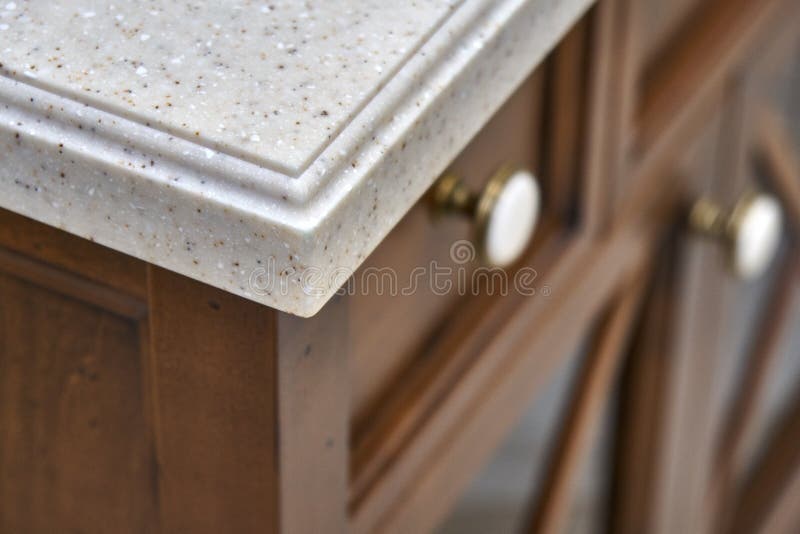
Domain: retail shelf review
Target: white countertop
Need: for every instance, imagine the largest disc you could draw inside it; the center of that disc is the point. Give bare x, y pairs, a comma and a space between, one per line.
265, 148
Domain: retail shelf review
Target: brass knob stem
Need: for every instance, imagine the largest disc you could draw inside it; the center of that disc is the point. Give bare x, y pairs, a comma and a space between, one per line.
451, 195
708, 219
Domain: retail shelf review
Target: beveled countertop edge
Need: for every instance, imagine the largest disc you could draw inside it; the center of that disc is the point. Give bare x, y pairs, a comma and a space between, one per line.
105, 179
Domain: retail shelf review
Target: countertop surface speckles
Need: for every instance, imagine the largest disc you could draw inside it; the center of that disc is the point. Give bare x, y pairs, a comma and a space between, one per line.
262, 147
271, 82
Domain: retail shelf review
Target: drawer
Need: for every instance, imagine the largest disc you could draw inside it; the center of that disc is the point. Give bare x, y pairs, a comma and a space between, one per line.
421, 361
539, 128
402, 319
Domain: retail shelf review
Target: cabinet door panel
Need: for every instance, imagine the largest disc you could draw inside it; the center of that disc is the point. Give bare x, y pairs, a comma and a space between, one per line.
757, 463
667, 407
74, 449
721, 344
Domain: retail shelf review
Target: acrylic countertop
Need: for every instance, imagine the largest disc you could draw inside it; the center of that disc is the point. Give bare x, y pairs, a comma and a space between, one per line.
265, 148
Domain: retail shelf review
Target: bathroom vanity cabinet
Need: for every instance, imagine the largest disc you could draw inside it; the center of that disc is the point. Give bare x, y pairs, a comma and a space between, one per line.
223, 234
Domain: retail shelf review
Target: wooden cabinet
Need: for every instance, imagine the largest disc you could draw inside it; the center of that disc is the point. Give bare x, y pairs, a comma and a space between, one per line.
137, 400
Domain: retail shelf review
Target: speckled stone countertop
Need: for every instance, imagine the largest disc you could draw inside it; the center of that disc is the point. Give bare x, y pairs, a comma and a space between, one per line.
265, 148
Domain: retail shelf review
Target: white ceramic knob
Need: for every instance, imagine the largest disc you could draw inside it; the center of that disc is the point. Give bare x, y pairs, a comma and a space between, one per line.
505, 212
510, 218
751, 231
756, 235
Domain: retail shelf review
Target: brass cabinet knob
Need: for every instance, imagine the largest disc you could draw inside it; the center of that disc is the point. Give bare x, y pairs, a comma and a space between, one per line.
750, 232
504, 213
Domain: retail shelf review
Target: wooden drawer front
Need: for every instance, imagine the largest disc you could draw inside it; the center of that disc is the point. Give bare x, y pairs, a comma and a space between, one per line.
432, 372
382, 349
541, 128
391, 349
